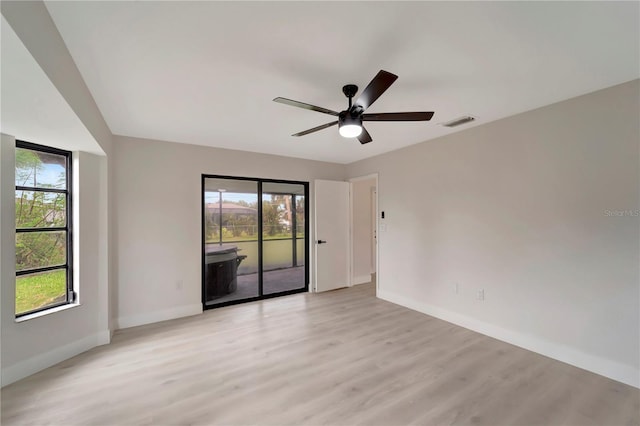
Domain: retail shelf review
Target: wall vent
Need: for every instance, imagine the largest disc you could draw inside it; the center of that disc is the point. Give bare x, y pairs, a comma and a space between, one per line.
459, 121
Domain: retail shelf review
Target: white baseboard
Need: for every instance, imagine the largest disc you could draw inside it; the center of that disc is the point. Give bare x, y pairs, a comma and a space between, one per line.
32, 365
620, 372
157, 316
362, 279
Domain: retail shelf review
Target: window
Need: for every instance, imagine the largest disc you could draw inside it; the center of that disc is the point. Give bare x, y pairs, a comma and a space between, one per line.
43, 228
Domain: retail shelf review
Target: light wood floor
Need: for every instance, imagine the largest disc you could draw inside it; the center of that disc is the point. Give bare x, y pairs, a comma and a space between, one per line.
338, 358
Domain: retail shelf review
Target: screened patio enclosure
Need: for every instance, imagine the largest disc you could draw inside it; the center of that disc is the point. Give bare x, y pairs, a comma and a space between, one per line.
254, 239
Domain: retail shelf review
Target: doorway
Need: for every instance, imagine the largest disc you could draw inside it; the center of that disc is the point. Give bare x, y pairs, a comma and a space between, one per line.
364, 230
254, 239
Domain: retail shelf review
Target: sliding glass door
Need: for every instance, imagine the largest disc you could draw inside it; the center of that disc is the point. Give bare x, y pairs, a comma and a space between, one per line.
283, 237
254, 239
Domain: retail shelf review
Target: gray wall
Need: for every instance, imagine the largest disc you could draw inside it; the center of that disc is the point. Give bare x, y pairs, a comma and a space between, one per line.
524, 209
157, 202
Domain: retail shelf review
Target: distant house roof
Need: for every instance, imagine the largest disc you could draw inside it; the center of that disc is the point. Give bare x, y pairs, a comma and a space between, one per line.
230, 208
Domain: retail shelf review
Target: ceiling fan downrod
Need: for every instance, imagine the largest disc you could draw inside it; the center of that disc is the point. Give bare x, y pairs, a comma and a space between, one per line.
350, 91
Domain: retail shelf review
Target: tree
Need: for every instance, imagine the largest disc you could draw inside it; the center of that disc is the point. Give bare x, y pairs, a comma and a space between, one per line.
270, 217
276, 214
38, 209
300, 216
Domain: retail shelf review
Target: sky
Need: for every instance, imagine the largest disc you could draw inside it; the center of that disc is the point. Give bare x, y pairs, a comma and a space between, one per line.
48, 174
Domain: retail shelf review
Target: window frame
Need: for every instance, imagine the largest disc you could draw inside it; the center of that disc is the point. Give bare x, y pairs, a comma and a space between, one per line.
68, 228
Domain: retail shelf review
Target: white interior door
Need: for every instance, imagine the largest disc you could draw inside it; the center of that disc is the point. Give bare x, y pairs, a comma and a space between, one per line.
332, 254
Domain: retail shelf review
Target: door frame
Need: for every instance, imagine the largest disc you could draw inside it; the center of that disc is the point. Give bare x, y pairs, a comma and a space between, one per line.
376, 224
307, 251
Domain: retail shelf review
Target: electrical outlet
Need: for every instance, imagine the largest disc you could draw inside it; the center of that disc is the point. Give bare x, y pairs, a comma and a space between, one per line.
481, 294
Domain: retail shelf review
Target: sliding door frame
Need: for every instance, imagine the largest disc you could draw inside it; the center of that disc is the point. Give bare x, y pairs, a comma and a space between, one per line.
307, 251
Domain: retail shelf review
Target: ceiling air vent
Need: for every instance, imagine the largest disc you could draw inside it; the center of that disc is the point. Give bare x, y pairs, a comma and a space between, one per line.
459, 121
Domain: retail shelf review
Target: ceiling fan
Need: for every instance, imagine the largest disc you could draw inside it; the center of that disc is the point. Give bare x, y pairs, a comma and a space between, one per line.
350, 120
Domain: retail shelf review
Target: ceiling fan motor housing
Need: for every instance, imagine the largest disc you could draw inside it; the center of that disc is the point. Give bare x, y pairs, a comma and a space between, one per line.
346, 118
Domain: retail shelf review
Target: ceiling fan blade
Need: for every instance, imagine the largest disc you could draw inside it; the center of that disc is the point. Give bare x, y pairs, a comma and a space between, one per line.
398, 116
376, 87
305, 106
364, 137
315, 129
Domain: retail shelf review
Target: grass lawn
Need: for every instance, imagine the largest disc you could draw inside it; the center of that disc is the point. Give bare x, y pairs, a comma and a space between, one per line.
36, 291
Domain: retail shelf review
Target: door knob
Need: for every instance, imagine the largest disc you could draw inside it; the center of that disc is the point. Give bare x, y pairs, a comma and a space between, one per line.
322, 242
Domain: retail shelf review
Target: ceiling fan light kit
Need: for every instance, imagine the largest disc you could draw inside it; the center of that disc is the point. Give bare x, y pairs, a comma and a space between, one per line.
350, 120
350, 127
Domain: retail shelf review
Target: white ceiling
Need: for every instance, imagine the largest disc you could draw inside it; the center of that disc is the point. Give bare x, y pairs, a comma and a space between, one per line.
206, 72
36, 112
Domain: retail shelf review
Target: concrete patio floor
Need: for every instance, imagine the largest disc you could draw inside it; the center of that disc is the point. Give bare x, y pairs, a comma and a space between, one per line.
275, 281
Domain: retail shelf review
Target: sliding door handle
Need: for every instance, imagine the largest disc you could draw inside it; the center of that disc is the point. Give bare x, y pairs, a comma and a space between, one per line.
322, 242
